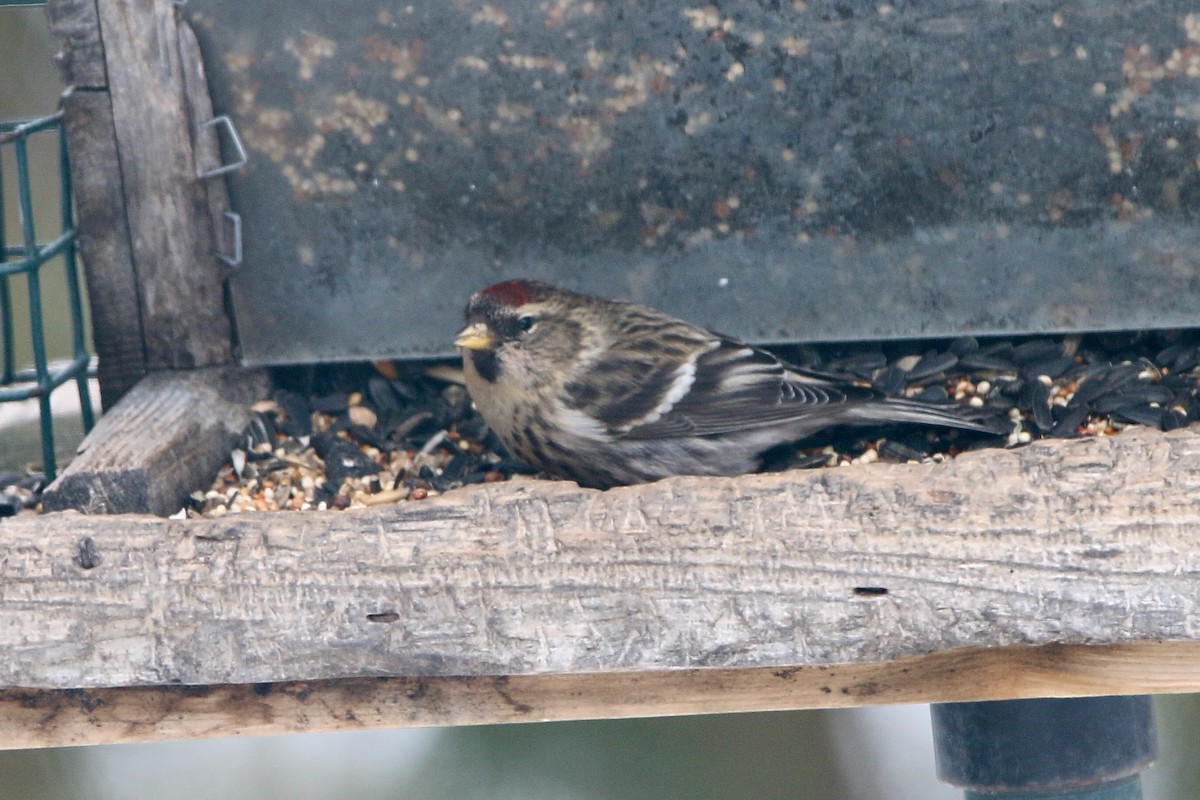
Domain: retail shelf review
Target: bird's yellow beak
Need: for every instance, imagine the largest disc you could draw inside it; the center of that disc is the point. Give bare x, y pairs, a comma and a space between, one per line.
476, 336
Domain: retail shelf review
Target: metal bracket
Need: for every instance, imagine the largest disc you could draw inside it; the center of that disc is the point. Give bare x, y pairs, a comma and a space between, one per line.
235, 259
237, 145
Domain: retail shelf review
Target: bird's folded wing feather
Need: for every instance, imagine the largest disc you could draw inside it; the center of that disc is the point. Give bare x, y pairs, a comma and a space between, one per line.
706, 386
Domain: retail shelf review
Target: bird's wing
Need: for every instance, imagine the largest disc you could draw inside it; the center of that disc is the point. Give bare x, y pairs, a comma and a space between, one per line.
695, 383
738, 387
641, 374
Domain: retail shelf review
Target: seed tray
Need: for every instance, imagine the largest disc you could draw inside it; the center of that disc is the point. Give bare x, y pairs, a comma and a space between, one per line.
349, 437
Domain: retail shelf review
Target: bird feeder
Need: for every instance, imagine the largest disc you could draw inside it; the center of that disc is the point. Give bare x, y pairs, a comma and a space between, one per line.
289, 183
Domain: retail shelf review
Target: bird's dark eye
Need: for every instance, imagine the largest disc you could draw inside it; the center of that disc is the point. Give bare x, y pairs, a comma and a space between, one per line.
525, 323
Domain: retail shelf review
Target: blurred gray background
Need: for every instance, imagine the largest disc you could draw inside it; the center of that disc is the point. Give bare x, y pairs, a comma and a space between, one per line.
857, 754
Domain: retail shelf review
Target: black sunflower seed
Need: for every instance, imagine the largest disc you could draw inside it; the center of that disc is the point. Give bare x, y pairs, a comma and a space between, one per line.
1174, 418
1140, 415
805, 355
1168, 354
34, 483
1133, 396
1039, 400
344, 460
473, 429
1052, 368
370, 436
383, 396
1124, 374
261, 430
457, 467
1091, 387
1109, 403
862, 364
1001, 349
1036, 350
1000, 402
889, 380
1178, 382
1108, 381
932, 364
1186, 360
1067, 420
984, 360
963, 345
1150, 393
299, 414
933, 394
809, 460
322, 442
898, 451
1014, 388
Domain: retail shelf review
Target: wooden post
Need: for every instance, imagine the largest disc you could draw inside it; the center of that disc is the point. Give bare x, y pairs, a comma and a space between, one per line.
179, 278
104, 235
149, 227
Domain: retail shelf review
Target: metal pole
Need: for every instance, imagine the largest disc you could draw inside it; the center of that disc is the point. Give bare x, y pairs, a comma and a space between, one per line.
1090, 748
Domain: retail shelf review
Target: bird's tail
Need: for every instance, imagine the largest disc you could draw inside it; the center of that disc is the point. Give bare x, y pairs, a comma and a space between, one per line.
894, 409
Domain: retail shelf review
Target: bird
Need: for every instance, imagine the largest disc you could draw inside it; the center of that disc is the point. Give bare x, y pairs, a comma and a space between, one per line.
609, 393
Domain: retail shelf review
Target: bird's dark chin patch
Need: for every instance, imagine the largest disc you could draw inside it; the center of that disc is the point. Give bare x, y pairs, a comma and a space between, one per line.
486, 364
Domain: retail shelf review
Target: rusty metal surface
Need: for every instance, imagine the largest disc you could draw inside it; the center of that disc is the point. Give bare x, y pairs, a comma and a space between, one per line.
779, 171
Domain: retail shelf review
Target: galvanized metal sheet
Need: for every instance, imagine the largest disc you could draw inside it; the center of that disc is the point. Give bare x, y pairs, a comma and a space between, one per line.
779, 171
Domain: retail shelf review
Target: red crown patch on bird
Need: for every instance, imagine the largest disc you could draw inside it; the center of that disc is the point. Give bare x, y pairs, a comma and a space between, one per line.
512, 293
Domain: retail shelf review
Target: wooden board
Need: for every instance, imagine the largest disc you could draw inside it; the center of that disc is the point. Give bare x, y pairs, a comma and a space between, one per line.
166, 438
55, 718
103, 230
1065, 542
179, 279
81, 61
104, 242
149, 228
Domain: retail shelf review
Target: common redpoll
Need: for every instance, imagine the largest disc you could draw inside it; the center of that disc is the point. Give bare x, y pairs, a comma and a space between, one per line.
608, 393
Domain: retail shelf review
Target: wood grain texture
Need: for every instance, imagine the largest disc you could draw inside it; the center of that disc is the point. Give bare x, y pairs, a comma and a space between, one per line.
1089, 541
81, 60
166, 438
53, 718
205, 142
104, 242
179, 278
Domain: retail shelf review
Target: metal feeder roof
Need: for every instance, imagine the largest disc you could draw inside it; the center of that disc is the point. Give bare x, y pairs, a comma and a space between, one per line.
778, 171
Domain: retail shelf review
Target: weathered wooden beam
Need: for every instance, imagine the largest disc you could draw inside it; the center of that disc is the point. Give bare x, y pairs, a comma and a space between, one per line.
55, 718
103, 230
166, 438
1089, 541
149, 228
104, 242
81, 61
179, 278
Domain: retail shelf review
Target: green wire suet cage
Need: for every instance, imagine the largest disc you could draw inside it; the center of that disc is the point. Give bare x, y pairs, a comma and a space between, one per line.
24, 255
